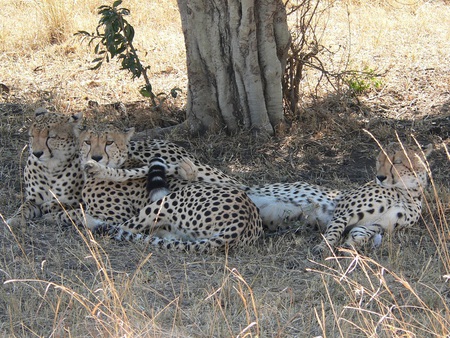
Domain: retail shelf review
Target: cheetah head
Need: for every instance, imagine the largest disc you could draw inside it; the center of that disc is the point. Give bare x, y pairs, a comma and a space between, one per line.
107, 146
402, 167
53, 136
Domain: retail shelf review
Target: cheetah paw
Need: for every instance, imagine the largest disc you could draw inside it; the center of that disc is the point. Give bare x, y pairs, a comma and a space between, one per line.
93, 169
317, 251
187, 170
15, 221
377, 239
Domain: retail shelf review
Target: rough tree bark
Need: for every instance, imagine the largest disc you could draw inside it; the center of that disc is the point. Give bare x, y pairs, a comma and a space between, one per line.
236, 52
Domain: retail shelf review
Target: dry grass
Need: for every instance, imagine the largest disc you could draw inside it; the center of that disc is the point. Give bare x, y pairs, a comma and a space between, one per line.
59, 283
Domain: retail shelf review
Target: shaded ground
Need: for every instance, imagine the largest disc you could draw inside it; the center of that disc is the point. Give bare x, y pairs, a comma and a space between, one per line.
195, 295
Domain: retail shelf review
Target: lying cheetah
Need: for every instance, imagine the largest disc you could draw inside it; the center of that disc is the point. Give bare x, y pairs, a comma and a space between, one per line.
394, 201
198, 216
52, 175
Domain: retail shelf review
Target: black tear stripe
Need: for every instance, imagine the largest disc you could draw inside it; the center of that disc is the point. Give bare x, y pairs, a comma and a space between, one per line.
48, 147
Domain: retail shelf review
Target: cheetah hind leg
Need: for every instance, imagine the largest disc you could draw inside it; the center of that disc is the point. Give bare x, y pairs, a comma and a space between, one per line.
157, 188
360, 235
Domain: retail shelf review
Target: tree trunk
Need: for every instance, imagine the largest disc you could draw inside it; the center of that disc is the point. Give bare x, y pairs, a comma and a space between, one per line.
236, 52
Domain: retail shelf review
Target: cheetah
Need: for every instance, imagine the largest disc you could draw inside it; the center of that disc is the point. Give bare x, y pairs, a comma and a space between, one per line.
52, 174
392, 202
168, 210
200, 217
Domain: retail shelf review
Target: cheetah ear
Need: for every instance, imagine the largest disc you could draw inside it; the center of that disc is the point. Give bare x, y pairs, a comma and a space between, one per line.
129, 133
76, 118
75, 121
428, 149
40, 111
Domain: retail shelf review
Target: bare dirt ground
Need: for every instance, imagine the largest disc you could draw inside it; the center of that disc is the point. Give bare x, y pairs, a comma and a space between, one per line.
57, 283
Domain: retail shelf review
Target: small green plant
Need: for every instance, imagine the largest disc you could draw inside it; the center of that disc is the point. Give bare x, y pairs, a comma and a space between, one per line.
360, 82
115, 39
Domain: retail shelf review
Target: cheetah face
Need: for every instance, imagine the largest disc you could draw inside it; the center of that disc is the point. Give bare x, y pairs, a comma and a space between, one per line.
53, 136
108, 147
402, 168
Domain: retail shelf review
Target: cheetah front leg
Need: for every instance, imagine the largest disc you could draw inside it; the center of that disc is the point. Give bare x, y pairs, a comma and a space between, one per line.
77, 217
332, 235
27, 211
98, 171
185, 169
397, 216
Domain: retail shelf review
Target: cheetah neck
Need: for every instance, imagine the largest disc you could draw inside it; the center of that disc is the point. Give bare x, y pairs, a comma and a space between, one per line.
56, 165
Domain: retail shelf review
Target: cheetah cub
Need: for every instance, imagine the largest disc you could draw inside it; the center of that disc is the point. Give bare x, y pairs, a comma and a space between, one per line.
394, 201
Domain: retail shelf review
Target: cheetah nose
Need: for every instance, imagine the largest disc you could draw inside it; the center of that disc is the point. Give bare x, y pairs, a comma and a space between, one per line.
97, 158
38, 153
381, 178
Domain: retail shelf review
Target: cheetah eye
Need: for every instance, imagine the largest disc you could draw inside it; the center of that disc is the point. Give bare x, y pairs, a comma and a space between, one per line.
87, 142
108, 143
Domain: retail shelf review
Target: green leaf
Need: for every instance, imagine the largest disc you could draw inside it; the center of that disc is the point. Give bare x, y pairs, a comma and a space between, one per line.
84, 33
124, 11
97, 66
121, 49
146, 91
129, 33
117, 3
